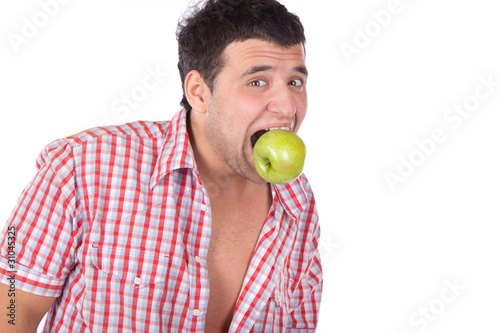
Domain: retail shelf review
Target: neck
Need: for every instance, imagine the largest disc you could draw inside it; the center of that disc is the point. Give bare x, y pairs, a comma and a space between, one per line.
220, 181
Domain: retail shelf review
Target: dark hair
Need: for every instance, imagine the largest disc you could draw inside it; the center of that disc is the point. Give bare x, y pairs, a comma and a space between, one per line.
207, 31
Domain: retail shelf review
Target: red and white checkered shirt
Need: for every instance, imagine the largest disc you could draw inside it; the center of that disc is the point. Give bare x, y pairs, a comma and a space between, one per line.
116, 224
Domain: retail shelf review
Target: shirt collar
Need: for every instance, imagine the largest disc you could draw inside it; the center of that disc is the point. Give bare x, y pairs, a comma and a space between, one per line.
293, 196
176, 151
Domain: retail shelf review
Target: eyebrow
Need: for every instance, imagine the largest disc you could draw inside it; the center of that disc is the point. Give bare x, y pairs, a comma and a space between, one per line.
301, 69
264, 68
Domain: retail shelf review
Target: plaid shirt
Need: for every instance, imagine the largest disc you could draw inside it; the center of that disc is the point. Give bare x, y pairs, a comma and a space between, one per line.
116, 224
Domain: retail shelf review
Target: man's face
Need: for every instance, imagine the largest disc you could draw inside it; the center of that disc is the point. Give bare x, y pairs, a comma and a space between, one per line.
260, 86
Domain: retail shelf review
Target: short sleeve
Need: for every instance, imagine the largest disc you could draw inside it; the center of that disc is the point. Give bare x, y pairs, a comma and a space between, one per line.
42, 254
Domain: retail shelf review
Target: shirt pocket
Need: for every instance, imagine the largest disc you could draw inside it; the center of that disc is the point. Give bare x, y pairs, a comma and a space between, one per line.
141, 287
133, 267
280, 294
274, 316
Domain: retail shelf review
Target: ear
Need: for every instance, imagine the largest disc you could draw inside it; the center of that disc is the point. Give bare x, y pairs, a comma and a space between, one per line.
197, 91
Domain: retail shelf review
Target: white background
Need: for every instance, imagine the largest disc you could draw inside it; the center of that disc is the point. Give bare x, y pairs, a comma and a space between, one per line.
387, 254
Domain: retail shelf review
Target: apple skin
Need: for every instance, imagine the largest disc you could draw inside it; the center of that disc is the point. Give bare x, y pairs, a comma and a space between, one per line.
279, 155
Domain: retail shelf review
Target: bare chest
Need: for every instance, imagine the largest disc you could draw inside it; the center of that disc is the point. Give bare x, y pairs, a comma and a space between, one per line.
232, 244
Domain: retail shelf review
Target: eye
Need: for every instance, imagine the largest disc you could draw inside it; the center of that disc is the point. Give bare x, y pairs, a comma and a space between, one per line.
258, 83
296, 83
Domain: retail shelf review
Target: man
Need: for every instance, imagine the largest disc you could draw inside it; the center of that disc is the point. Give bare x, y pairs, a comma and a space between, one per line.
166, 226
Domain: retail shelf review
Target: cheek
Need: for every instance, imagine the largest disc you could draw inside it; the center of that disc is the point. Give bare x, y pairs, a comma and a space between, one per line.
301, 107
245, 108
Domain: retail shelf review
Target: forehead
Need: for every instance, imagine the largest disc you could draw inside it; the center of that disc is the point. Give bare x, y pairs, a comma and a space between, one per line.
242, 54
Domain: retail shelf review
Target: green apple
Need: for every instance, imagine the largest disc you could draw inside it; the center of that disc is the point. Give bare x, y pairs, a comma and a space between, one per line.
279, 156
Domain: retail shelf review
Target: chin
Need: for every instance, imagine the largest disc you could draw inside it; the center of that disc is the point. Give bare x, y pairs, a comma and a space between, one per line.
252, 175
259, 181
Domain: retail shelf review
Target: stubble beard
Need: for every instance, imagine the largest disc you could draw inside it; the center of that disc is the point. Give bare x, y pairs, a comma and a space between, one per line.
233, 156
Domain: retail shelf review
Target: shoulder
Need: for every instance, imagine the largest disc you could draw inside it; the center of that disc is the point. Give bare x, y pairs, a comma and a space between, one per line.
134, 130
103, 139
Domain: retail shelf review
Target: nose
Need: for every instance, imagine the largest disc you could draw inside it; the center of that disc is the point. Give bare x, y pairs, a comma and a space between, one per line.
282, 102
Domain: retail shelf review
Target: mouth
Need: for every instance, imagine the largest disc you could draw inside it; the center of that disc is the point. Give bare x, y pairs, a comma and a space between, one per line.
256, 136
261, 132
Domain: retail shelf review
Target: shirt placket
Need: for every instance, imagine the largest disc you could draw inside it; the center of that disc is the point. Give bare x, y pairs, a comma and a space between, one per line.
198, 270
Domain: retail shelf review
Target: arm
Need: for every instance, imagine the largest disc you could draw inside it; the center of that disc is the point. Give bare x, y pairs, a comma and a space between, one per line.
37, 242
28, 312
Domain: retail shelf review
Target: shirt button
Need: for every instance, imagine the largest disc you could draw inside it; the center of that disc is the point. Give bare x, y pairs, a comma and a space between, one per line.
197, 259
203, 207
196, 312
137, 280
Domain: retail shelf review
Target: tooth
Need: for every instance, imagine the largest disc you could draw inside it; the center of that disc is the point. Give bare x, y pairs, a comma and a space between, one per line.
283, 128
